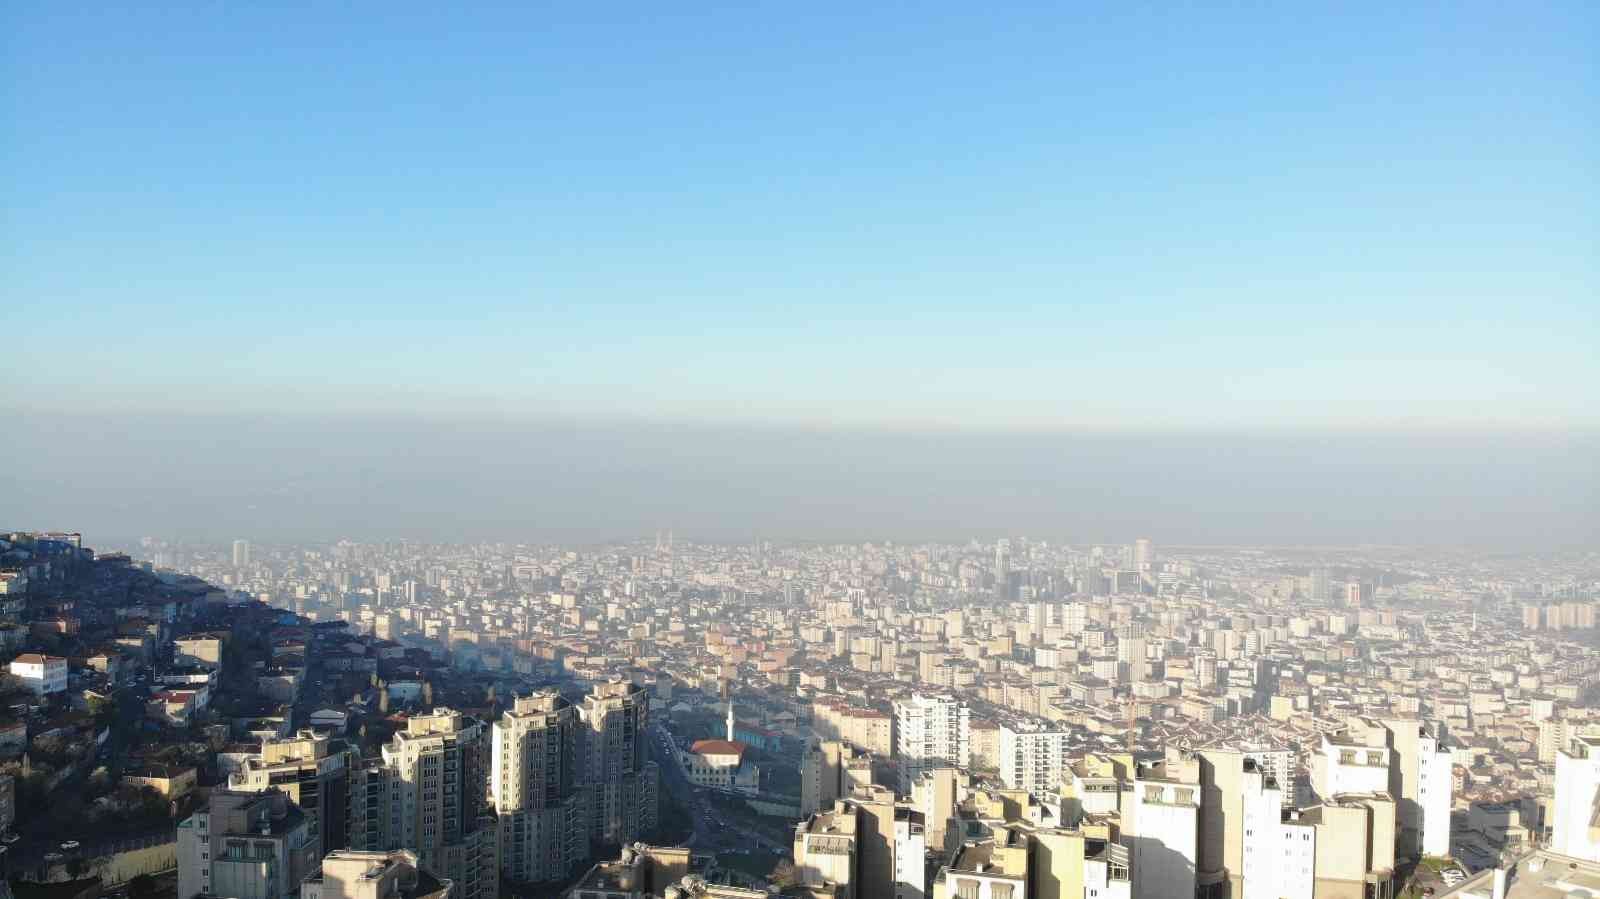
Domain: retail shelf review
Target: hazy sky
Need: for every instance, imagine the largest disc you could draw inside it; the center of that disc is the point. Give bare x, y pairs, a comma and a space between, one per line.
221, 477
864, 221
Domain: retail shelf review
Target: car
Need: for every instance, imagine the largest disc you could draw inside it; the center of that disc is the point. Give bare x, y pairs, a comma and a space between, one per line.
69, 845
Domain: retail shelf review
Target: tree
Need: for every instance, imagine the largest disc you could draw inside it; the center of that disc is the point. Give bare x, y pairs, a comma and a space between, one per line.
785, 874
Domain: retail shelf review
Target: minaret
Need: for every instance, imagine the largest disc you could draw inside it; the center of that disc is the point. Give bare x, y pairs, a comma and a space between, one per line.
730, 719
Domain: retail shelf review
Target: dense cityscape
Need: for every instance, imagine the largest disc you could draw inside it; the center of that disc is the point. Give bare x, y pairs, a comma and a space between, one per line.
1004, 719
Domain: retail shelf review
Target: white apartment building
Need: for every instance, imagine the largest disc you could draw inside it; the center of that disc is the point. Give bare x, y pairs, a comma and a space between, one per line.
1161, 831
1345, 765
1435, 794
1577, 781
1280, 857
931, 732
910, 854
1033, 760
40, 673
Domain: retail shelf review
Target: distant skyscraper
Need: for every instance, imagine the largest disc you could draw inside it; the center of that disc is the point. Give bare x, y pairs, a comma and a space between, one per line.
1002, 570
1357, 594
1320, 591
241, 553
1144, 554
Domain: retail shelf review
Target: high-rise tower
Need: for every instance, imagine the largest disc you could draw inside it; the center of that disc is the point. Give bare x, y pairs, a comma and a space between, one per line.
535, 790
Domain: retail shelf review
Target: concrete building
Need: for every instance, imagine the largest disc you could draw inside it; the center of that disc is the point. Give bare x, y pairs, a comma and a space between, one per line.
931, 732
40, 673
1033, 759
201, 650
1355, 839
825, 849
995, 868
540, 806
936, 793
1356, 761
1278, 855
642, 872
437, 771
1575, 819
1161, 821
617, 770
314, 778
346, 874
822, 770
245, 846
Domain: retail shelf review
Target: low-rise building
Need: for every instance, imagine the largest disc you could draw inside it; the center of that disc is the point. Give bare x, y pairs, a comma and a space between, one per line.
40, 673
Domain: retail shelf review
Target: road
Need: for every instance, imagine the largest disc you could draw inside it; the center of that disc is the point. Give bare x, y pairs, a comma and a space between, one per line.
712, 833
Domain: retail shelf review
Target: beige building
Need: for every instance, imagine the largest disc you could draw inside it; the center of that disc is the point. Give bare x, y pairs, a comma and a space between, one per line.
314, 778
204, 650
348, 874
171, 782
1355, 838
245, 846
989, 869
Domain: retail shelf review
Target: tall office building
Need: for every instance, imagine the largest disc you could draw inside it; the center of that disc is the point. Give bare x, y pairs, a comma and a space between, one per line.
428, 794
931, 732
1002, 570
315, 777
533, 786
241, 553
615, 764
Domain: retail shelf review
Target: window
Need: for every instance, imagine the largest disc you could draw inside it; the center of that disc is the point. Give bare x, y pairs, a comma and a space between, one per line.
966, 889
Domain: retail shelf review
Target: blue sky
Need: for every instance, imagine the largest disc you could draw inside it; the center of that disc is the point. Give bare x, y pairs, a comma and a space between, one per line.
1034, 217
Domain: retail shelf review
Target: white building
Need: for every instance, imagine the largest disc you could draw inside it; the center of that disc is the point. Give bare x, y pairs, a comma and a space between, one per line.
720, 764
1572, 830
1435, 795
41, 674
1161, 831
1280, 857
910, 854
1033, 760
1344, 765
931, 732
